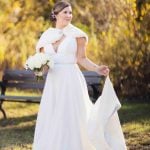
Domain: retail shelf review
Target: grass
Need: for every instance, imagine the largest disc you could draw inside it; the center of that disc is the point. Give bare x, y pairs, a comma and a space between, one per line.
135, 120
16, 133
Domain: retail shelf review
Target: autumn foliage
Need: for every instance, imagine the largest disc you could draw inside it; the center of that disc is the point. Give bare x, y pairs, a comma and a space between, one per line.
118, 30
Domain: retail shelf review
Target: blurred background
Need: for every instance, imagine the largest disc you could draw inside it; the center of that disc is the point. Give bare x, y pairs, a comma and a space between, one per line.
118, 30
118, 33
119, 36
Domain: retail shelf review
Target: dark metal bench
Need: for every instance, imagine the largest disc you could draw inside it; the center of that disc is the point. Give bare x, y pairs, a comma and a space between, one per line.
23, 80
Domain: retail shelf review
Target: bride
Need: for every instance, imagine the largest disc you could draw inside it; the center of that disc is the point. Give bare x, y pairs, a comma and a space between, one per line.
67, 119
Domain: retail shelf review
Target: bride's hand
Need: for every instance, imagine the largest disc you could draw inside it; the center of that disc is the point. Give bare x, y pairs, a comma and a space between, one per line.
45, 69
102, 70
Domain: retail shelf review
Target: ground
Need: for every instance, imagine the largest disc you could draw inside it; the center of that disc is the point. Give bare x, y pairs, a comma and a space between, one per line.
16, 132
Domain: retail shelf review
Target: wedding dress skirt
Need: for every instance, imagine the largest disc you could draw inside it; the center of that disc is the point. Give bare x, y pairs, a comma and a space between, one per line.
67, 119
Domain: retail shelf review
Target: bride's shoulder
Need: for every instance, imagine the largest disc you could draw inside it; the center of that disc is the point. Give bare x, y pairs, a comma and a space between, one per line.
74, 29
49, 30
50, 33
76, 32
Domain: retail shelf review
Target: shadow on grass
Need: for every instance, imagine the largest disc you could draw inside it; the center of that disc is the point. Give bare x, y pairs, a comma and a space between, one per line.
19, 131
16, 121
18, 136
134, 112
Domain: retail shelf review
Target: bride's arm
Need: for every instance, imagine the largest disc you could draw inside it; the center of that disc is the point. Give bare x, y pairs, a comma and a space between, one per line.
87, 63
45, 67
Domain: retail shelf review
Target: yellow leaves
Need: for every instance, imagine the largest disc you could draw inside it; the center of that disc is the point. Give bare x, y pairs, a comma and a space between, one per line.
16, 6
2, 52
16, 10
111, 39
129, 62
29, 4
131, 1
3, 46
94, 48
93, 44
121, 23
13, 11
111, 31
147, 6
134, 7
137, 63
103, 33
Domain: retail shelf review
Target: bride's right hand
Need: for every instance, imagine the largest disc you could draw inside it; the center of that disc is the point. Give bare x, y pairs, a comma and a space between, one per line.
45, 69
102, 70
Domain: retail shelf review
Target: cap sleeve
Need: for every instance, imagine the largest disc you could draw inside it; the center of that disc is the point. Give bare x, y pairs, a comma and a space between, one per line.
82, 34
42, 41
49, 36
75, 32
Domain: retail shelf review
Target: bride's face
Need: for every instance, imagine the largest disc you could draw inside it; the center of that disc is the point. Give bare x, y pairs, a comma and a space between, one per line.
65, 16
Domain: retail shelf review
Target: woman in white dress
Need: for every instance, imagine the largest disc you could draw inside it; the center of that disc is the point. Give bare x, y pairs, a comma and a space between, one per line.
67, 119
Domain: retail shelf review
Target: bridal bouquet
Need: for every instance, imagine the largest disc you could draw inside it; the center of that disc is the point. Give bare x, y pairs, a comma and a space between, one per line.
37, 62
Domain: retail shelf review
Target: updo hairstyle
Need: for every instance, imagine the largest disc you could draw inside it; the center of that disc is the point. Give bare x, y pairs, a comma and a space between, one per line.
58, 7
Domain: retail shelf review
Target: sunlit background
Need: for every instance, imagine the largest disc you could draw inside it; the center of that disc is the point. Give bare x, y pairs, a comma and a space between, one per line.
119, 36
118, 33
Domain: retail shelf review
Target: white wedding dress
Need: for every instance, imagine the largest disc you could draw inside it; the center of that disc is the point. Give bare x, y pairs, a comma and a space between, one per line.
67, 119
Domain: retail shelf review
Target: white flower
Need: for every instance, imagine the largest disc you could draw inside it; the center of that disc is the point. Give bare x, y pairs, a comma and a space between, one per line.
30, 63
37, 62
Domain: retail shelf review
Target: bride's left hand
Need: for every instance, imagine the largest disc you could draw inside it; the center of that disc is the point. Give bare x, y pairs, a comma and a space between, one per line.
102, 70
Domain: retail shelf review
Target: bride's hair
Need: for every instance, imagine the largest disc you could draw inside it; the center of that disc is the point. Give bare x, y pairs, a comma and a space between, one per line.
58, 7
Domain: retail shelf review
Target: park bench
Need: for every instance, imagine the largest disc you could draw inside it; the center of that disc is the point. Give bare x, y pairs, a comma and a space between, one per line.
25, 80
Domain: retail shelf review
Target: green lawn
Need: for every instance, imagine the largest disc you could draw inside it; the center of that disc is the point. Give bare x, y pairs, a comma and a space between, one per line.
16, 133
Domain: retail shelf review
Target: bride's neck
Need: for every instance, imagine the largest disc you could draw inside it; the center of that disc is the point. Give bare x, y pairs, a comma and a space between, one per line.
60, 26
